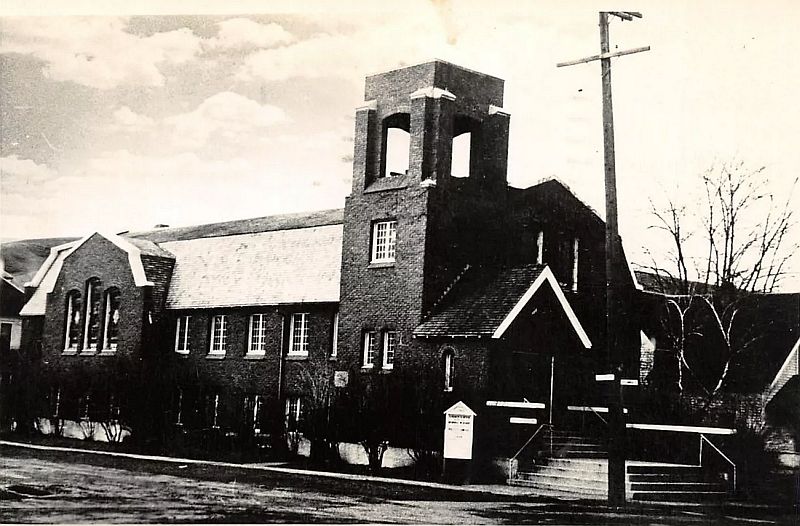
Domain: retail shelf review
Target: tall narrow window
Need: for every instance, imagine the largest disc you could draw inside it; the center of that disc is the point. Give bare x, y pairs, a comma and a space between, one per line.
73, 325
371, 348
389, 348
253, 412
91, 334
540, 248
182, 335
384, 241
294, 414
111, 320
298, 339
335, 342
219, 334
575, 250
447, 369
179, 407
257, 341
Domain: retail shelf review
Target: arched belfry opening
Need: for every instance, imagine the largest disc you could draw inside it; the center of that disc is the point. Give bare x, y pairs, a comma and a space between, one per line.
420, 125
396, 145
465, 144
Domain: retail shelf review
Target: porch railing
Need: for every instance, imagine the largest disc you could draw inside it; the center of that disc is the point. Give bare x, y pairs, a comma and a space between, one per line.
721, 454
513, 459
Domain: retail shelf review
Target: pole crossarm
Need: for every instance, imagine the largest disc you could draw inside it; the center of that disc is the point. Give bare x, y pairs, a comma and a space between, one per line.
603, 56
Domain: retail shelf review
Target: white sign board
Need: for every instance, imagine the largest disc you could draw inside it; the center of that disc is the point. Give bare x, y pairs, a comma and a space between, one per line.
459, 426
340, 379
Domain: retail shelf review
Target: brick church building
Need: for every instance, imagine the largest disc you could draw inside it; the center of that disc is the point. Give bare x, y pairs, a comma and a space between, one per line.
460, 288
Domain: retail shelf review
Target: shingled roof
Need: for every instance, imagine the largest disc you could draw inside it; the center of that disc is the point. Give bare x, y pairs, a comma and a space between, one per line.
299, 265
242, 226
485, 302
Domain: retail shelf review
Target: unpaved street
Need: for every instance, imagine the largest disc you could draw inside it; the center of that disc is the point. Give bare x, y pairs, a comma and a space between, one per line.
37, 486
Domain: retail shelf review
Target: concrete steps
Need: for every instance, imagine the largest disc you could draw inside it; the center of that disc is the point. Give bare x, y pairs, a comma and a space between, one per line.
577, 467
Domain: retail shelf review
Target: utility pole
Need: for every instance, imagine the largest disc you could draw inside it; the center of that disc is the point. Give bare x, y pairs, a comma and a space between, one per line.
616, 424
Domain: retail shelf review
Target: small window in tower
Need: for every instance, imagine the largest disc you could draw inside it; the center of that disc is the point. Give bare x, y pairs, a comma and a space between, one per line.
384, 241
398, 144
464, 133
461, 150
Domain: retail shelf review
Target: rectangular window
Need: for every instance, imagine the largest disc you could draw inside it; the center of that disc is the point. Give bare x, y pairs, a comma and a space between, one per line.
389, 347
5, 337
371, 343
575, 248
182, 335
253, 413
219, 334
384, 240
298, 334
257, 341
335, 342
294, 414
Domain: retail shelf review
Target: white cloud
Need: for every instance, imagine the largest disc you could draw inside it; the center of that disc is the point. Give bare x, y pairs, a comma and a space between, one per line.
376, 46
22, 175
128, 120
227, 116
97, 52
243, 33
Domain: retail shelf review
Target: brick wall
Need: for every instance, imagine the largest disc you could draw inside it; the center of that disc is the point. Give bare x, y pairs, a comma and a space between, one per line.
237, 374
96, 258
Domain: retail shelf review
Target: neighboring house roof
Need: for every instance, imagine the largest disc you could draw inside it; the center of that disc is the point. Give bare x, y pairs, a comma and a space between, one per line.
242, 226
301, 265
485, 303
788, 371
22, 259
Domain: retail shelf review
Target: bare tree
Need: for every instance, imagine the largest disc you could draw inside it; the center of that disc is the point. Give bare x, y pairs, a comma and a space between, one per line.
739, 246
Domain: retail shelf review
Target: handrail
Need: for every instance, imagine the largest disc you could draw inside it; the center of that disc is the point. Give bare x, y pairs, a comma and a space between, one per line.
723, 455
598, 415
512, 459
529, 441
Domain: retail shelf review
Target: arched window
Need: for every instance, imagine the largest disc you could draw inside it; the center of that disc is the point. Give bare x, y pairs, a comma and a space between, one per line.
111, 319
72, 330
91, 333
448, 368
397, 144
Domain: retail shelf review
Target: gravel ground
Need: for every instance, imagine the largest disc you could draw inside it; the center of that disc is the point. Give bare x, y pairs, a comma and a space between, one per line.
58, 487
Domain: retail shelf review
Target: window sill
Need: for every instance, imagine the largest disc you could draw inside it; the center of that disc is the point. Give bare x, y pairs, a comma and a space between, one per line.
296, 357
107, 352
255, 356
381, 264
333, 358
366, 368
69, 352
215, 356
386, 371
88, 352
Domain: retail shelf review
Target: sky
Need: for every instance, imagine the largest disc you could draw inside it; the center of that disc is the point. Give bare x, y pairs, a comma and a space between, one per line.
120, 121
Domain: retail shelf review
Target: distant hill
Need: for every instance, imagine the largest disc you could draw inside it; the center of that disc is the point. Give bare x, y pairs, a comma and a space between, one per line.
21, 259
